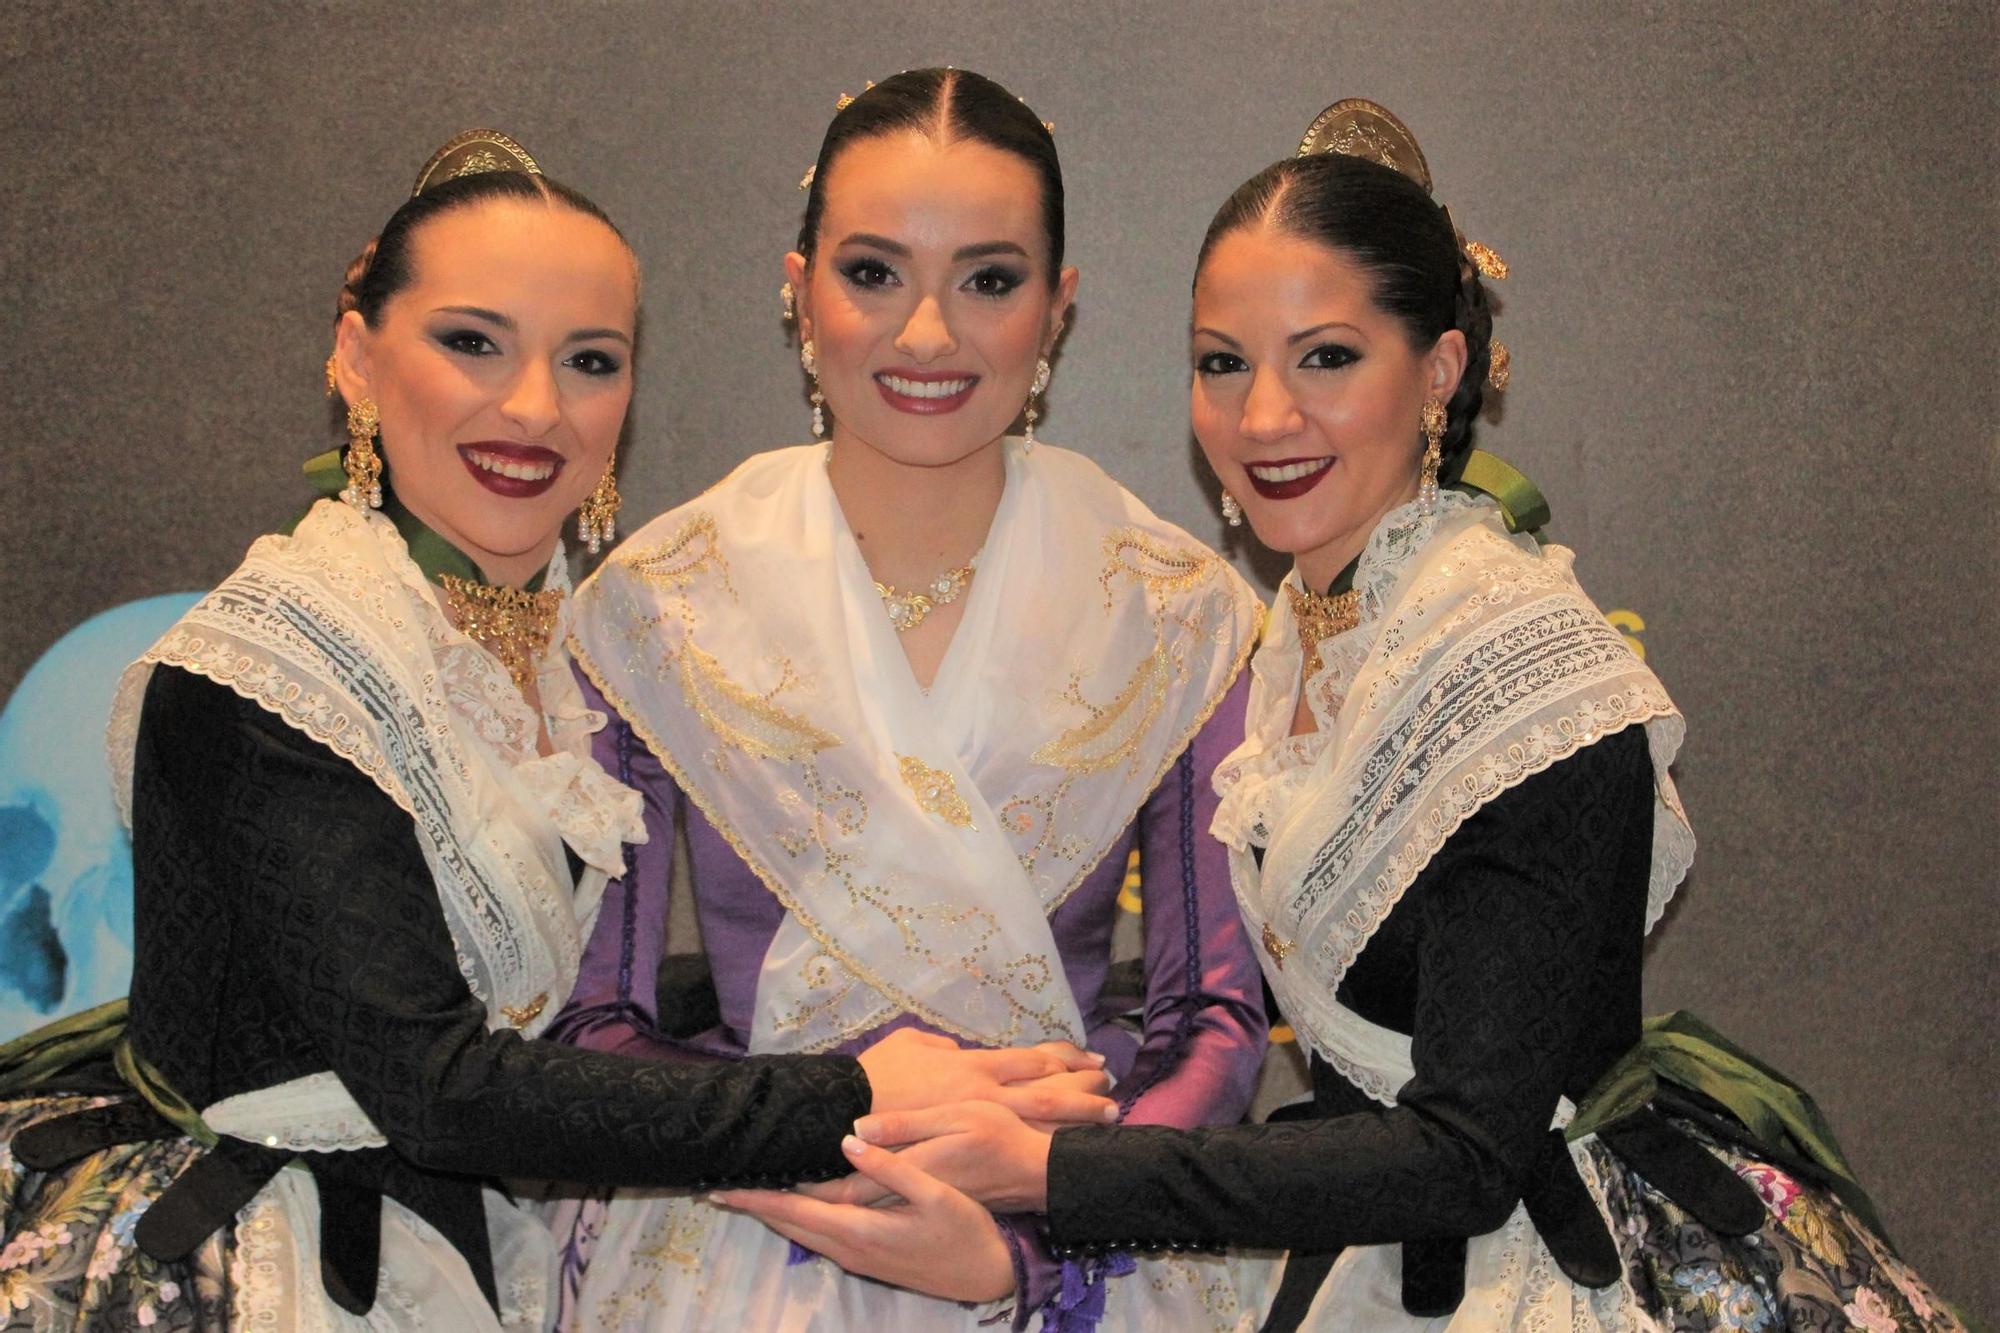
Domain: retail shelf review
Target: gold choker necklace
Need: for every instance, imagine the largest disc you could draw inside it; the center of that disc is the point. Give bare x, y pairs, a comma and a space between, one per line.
1320, 617
907, 610
511, 624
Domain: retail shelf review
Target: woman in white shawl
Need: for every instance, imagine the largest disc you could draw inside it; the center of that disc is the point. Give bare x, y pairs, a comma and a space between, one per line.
915, 694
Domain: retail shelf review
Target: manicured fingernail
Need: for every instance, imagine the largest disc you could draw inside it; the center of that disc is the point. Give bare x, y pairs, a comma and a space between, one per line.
1094, 1058
1109, 1114
864, 1129
852, 1146
715, 1198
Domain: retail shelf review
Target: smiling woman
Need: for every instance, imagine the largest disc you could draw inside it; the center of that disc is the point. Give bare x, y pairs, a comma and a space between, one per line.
916, 693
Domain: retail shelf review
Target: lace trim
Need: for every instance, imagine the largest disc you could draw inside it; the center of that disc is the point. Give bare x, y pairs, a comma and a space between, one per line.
1460, 803
1489, 666
257, 1270
336, 632
1632, 1311
315, 1113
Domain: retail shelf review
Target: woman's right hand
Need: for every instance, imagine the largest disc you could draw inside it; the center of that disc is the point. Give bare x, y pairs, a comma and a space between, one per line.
1053, 1083
977, 1149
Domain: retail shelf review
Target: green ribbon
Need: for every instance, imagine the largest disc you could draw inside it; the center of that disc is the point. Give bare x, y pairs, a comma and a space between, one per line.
434, 555
33, 1062
1680, 1049
27, 1061
1521, 501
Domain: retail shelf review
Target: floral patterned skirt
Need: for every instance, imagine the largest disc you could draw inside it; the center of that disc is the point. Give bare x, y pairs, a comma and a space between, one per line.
67, 1257
1813, 1265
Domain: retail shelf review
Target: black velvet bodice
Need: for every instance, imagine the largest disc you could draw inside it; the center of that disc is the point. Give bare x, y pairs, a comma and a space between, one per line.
1513, 963
287, 923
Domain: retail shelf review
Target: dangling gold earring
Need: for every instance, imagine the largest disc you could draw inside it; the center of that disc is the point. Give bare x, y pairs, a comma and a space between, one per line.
809, 358
1433, 423
364, 465
1232, 512
790, 302
1035, 391
332, 375
597, 519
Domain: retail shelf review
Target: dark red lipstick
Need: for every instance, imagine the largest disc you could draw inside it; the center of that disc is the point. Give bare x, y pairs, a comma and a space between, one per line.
1290, 488
533, 469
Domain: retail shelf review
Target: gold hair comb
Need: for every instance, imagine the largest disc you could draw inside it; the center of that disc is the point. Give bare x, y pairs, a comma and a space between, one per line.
474, 153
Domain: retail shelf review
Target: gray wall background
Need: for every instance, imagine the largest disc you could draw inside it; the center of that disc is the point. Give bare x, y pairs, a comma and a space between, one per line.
1752, 315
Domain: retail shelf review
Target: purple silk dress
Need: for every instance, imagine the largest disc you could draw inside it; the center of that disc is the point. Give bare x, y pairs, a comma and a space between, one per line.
1200, 1029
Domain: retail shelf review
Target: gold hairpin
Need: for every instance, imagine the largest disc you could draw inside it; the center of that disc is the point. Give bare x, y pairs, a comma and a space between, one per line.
1489, 264
846, 100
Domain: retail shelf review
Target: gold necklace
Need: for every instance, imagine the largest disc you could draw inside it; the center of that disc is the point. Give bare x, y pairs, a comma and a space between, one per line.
1320, 617
513, 625
907, 610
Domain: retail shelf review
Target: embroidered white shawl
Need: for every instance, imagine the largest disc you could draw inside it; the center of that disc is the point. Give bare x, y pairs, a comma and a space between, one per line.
1477, 663
918, 841
337, 632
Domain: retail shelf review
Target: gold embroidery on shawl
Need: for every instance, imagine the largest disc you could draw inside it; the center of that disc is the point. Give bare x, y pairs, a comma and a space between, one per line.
1163, 567
1114, 733
741, 719
834, 812
1111, 735
674, 563
819, 820
935, 790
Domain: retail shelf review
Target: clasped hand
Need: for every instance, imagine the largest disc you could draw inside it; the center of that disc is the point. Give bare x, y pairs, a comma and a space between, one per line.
919, 1217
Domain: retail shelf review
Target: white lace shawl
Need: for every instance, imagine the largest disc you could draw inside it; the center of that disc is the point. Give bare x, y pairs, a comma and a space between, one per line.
336, 631
1478, 662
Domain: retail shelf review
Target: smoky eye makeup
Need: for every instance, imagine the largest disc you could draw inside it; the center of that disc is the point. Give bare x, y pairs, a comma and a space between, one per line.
595, 361
995, 280
466, 342
1329, 356
1218, 363
867, 271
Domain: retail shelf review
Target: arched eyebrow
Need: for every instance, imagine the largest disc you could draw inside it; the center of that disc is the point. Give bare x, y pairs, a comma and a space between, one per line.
964, 252
1299, 337
506, 322
1318, 329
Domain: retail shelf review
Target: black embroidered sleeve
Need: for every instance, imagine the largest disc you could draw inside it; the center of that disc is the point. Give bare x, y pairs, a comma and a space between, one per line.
1513, 955
311, 938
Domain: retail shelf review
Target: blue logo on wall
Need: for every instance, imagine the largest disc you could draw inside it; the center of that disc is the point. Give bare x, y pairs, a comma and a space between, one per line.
65, 861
